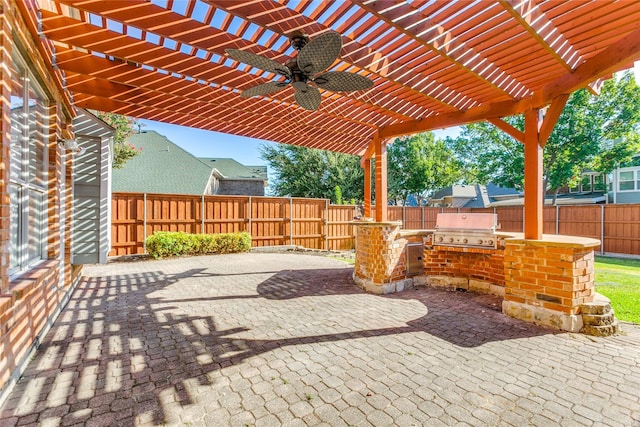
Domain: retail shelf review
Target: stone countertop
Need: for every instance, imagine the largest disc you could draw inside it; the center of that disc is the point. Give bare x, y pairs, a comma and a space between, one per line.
559, 240
377, 224
509, 237
414, 233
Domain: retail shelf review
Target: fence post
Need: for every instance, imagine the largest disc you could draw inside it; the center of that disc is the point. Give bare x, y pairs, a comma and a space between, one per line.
422, 216
404, 224
326, 224
144, 223
557, 219
602, 229
291, 221
522, 230
249, 215
202, 215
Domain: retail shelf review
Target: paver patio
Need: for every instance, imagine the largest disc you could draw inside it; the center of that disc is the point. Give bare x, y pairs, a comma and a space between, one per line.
287, 339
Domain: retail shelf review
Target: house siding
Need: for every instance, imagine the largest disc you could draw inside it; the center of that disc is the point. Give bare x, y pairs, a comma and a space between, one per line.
90, 241
627, 197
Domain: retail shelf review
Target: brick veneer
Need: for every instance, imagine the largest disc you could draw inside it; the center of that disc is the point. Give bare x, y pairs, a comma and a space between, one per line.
380, 257
547, 280
468, 263
543, 281
30, 302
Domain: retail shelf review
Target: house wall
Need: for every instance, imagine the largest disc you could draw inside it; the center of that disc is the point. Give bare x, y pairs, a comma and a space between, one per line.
627, 197
32, 299
241, 187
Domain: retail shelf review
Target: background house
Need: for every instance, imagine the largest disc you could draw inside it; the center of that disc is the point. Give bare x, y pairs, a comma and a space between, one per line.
163, 167
621, 186
472, 196
235, 178
624, 183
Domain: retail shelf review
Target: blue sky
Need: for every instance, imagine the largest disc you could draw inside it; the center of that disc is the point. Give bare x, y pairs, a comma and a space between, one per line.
202, 143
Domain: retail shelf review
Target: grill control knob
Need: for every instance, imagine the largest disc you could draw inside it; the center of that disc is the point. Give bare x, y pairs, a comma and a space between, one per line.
450, 239
464, 240
480, 241
440, 239
490, 242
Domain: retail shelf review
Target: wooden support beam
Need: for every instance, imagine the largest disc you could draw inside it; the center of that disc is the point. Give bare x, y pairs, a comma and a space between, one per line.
381, 178
368, 152
551, 117
367, 187
516, 134
533, 177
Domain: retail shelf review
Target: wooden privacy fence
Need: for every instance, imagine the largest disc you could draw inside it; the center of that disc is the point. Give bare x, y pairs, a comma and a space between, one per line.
271, 221
316, 224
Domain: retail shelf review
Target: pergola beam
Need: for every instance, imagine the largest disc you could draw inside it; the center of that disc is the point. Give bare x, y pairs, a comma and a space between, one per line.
623, 52
367, 188
533, 176
551, 117
381, 178
516, 134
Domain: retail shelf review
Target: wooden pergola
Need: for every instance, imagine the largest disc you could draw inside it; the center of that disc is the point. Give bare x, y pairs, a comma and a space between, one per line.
434, 64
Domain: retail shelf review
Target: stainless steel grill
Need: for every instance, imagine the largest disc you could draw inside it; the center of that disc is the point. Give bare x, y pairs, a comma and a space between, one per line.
473, 230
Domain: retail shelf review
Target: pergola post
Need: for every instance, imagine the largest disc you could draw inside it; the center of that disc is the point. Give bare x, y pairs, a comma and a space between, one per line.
533, 176
367, 187
381, 178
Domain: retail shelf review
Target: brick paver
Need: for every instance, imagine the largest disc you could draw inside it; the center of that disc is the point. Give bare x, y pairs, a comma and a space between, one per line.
287, 339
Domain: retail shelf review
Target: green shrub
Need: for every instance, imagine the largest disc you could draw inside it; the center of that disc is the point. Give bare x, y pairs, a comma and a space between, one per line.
169, 243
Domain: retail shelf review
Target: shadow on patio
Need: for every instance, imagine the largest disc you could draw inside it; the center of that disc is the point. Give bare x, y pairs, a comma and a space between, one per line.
134, 347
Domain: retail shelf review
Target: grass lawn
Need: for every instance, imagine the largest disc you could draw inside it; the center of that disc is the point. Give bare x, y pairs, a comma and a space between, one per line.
619, 280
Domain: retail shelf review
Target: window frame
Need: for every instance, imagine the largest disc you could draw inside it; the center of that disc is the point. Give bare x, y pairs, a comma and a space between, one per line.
635, 179
28, 183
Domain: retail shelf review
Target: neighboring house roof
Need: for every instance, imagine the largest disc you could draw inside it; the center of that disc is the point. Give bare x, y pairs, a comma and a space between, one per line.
474, 196
562, 199
232, 169
161, 167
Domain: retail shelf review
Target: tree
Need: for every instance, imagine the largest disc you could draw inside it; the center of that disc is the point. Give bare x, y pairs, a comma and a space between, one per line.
593, 133
308, 172
420, 165
490, 155
123, 125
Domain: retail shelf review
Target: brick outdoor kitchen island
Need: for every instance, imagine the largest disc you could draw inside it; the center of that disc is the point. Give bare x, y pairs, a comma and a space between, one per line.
547, 281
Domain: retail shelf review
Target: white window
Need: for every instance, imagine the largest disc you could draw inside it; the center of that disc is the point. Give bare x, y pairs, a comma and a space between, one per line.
28, 171
627, 180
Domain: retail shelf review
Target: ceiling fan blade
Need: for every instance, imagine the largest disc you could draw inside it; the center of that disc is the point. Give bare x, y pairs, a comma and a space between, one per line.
258, 61
263, 89
341, 81
319, 53
309, 98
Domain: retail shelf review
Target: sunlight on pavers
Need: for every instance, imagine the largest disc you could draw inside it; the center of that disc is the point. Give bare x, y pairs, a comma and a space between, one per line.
226, 341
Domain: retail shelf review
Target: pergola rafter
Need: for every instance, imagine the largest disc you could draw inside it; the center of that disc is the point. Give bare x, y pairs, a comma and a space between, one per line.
434, 64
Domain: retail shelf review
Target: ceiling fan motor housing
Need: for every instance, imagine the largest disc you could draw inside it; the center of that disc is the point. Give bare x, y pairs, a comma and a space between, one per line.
298, 40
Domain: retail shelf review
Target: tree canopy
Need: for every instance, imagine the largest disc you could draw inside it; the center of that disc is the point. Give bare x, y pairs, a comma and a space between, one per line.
420, 165
308, 172
593, 133
123, 125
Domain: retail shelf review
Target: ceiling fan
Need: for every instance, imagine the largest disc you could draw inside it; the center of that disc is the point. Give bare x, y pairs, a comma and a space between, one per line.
313, 58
